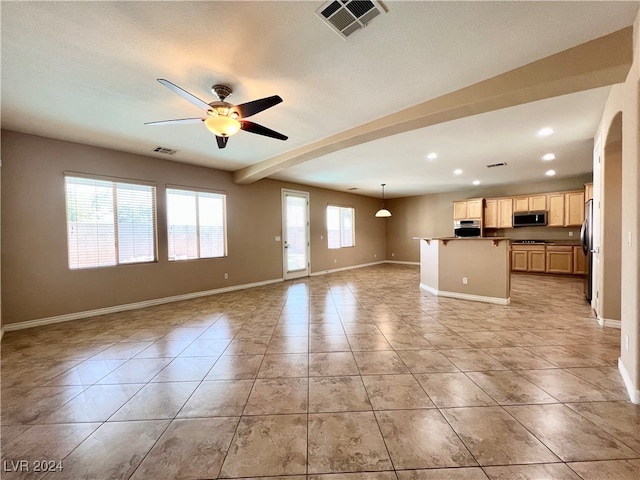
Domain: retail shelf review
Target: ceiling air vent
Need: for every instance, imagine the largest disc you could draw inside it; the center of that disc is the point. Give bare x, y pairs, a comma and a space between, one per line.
501, 164
167, 151
348, 16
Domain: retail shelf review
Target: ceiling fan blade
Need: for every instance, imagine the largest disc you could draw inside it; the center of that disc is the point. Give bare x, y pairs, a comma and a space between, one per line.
178, 121
260, 130
251, 108
222, 141
184, 94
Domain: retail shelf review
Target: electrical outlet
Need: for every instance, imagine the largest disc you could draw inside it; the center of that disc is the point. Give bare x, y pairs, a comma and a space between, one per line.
375, 255
393, 254
465, 281
278, 238
335, 260
226, 276
571, 234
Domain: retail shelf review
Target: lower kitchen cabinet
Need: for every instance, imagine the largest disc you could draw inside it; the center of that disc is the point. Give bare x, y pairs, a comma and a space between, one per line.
536, 258
528, 258
559, 259
579, 261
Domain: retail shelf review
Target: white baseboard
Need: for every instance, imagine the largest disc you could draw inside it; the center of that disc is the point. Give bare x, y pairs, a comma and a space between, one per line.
398, 262
466, 296
342, 269
634, 393
132, 306
605, 322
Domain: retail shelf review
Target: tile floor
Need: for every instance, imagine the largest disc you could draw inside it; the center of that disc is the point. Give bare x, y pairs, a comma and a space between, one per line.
350, 376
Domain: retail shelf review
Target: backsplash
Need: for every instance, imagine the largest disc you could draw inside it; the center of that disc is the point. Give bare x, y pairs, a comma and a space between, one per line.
537, 233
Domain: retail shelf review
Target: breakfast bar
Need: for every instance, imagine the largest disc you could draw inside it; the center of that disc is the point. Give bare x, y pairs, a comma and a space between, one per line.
475, 268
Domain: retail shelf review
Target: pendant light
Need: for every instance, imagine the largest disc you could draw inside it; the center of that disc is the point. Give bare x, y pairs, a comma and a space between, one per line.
383, 212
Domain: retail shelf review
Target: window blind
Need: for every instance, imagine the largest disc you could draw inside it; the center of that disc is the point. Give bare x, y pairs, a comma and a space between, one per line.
340, 226
109, 223
197, 224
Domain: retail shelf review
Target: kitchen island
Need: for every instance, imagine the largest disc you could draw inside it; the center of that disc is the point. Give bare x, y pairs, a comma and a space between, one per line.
476, 268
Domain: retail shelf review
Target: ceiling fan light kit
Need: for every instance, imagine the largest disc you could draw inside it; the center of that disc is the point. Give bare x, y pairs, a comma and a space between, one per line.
224, 119
222, 125
383, 212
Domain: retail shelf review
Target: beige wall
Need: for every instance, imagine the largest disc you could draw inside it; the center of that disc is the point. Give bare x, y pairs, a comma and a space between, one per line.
444, 264
625, 98
611, 251
37, 282
432, 216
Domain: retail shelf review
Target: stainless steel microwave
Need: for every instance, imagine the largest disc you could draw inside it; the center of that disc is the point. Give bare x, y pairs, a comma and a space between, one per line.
530, 219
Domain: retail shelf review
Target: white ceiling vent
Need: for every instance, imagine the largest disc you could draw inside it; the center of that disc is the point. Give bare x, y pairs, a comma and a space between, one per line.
167, 151
348, 16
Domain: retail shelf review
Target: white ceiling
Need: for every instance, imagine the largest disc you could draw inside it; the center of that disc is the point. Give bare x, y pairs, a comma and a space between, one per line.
86, 72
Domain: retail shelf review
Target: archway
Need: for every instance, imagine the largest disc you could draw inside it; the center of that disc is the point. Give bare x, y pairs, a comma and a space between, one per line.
609, 311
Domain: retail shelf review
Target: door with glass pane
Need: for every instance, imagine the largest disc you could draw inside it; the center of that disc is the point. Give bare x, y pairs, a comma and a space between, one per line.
295, 233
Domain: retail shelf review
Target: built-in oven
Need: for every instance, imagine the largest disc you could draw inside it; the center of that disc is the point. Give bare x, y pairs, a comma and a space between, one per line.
467, 228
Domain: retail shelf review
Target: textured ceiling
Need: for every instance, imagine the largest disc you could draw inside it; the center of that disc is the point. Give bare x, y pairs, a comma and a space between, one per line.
86, 72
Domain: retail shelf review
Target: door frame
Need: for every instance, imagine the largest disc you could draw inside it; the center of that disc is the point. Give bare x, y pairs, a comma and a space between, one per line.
286, 274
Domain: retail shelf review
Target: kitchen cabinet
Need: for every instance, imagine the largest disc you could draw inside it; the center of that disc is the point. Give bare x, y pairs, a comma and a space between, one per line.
505, 213
559, 259
555, 214
573, 209
521, 204
537, 261
491, 213
537, 203
579, 261
519, 260
588, 191
528, 258
531, 203
468, 209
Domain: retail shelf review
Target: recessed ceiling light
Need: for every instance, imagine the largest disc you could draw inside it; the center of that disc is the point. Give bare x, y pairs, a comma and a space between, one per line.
476, 182
549, 156
550, 173
432, 156
457, 171
545, 132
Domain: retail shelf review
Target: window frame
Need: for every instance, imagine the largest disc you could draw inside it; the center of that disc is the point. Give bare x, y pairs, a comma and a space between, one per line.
341, 208
197, 191
115, 181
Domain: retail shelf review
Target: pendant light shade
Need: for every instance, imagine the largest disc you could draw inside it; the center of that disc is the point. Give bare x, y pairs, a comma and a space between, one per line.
383, 212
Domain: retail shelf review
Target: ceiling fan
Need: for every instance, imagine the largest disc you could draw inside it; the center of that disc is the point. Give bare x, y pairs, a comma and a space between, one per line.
222, 118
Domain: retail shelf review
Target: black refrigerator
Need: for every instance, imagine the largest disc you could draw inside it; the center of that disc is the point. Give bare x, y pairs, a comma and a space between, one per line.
586, 238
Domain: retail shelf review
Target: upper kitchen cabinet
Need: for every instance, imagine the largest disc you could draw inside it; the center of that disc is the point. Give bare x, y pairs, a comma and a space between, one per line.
555, 216
573, 209
531, 203
505, 213
588, 192
498, 213
491, 213
468, 209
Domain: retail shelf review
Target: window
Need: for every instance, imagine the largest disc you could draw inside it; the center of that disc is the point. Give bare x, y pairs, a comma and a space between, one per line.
109, 222
197, 224
341, 226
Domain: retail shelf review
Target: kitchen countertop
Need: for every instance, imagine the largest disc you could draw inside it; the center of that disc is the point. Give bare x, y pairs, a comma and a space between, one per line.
568, 243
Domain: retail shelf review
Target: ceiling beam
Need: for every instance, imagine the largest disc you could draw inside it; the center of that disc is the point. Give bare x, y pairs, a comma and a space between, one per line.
597, 63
